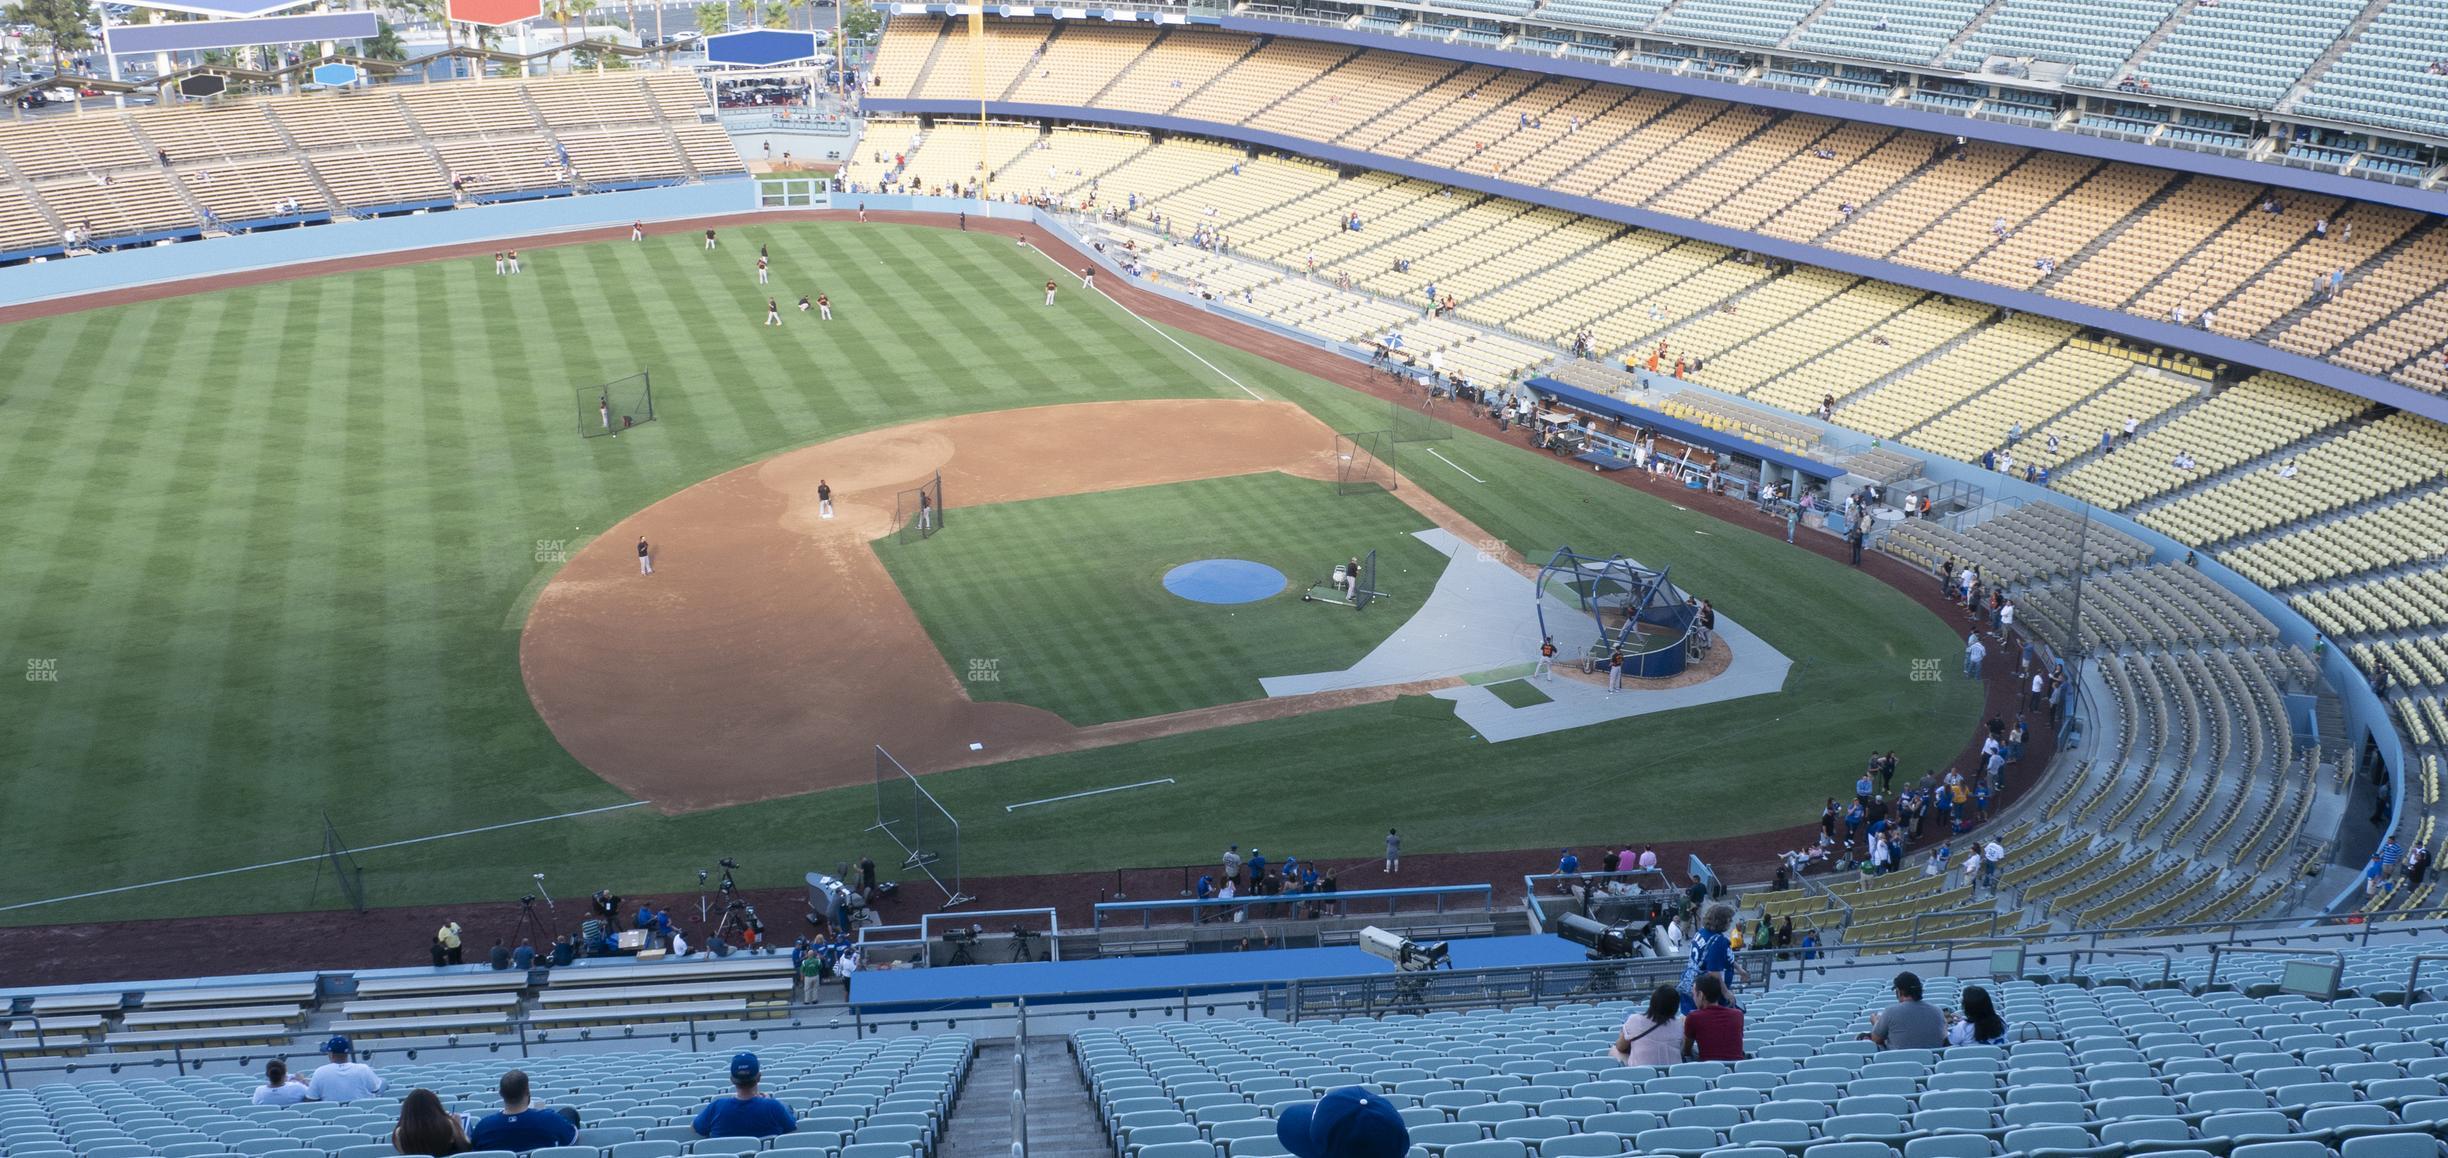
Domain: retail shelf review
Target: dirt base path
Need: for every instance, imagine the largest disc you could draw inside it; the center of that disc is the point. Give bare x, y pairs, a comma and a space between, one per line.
770, 649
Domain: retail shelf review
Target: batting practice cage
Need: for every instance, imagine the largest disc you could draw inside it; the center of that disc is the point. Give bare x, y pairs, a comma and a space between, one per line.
1364, 461
919, 512
1594, 607
615, 406
928, 835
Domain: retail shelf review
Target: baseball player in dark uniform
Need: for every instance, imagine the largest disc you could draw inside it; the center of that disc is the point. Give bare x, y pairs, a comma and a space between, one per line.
926, 512
645, 557
824, 499
773, 312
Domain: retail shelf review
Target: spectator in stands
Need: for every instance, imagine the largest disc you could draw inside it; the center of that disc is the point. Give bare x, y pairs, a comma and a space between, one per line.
426, 1128
280, 1088
519, 1126
1909, 1023
1713, 1028
1974, 653
1980, 1023
2417, 863
523, 958
500, 957
1653, 1036
446, 939
342, 1080
1712, 952
745, 1113
1351, 1122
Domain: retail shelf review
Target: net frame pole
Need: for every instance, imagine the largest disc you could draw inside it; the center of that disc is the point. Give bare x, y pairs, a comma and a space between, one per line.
344, 866
608, 408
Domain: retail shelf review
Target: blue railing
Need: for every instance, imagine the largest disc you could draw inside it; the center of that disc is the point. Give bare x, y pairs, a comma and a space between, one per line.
1446, 898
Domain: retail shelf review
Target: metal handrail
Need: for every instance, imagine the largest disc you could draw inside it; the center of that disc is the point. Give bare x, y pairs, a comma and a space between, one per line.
1485, 894
2219, 951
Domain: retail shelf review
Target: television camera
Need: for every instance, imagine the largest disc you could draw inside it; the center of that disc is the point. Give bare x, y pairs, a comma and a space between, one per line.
1411, 959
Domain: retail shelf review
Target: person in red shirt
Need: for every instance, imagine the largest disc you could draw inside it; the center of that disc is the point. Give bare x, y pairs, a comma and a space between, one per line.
1713, 1030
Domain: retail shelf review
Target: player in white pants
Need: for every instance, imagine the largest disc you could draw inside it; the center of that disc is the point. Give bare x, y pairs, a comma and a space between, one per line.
824, 308
824, 499
645, 557
773, 312
1049, 293
764, 275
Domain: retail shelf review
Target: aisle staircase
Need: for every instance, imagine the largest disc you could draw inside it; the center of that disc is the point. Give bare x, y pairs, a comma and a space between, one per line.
1061, 1118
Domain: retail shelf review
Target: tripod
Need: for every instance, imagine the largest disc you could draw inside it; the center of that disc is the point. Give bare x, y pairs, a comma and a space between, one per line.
531, 924
960, 953
1020, 942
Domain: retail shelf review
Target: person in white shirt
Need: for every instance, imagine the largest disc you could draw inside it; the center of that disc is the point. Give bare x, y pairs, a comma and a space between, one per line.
2286, 469
280, 1088
342, 1080
1653, 1036
1972, 866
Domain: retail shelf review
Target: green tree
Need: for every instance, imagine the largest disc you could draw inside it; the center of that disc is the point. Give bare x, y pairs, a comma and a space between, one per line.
774, 14
859, 20
385, 43
712, 17
59, 26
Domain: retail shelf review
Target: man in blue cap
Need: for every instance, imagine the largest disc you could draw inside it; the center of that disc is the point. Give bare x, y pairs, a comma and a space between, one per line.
746, 1113
1347, 1123
340, 1079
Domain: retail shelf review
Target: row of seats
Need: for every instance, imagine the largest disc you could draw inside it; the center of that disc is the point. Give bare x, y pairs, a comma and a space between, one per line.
2091, 1070
1992, 213
871, 1099
119, 176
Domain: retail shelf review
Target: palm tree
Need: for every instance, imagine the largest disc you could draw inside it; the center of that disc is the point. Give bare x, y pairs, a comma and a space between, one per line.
712, 18
563, 11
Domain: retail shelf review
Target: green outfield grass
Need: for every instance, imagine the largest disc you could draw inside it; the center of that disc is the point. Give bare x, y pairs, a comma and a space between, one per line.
276, 543
1065, 596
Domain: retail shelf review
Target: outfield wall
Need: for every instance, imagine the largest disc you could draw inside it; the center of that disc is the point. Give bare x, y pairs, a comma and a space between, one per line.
343, 239
2364, 711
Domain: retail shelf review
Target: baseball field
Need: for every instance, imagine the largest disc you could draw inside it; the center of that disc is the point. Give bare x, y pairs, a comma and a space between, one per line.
296, 549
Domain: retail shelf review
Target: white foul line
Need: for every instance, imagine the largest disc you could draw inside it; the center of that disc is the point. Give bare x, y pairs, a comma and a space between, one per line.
1159, 331
1090, 792
317, 856
1457, 466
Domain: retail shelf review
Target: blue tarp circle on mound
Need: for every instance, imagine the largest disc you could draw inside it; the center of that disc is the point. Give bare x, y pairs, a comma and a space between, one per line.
1224, 581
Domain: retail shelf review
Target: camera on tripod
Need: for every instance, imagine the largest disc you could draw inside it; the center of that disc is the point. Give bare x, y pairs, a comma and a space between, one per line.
529, 899
966, 936
728, 863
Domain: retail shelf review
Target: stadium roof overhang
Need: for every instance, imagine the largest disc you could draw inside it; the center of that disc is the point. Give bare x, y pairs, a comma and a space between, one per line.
2144, 331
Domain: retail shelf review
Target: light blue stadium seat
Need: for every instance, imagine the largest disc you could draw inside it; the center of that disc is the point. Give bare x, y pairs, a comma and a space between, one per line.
1492, 1112
2045, 1114
727, 1146
1949, 1146
1713, 1117
645, 1149
1584, 1146
1447, 1134
2292, 1148
1682, 1141
897, 1150
1491, 1148
1629, 1123
1850, 1150
1533, 1130
2404, 1145
2129, 1131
